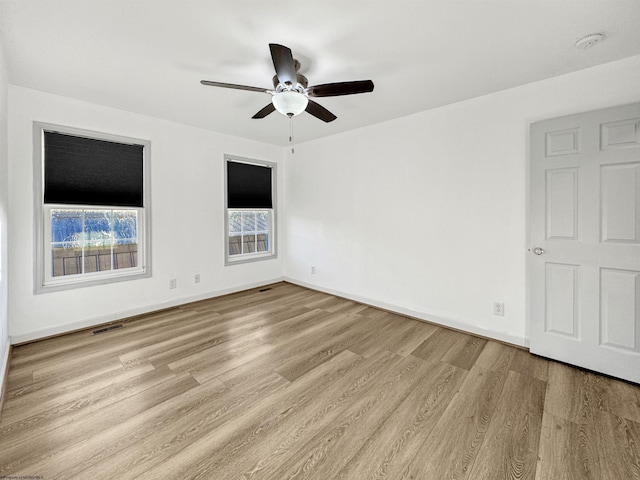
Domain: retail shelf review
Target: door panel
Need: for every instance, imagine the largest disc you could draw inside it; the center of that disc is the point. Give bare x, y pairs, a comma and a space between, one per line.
563, 142
562, 203
620, 202
619, 303
621, 134
562, 309
585, 216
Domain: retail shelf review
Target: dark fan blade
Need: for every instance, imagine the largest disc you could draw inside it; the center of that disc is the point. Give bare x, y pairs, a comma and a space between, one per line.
265, 111
284, 64
340, 88
320, 112
234, 86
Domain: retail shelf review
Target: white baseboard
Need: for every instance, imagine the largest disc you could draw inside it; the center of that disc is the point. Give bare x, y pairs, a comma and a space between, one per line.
457, 324
115, 316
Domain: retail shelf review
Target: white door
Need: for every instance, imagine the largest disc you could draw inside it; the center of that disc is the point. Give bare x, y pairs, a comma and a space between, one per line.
584, 258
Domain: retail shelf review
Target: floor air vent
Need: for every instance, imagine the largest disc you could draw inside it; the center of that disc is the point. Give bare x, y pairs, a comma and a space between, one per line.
265, 289
107, 329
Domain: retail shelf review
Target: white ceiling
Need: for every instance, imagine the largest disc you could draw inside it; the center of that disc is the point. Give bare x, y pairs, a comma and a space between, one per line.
148, 56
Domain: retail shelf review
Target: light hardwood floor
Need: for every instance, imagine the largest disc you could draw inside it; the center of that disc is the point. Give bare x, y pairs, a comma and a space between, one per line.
289, 383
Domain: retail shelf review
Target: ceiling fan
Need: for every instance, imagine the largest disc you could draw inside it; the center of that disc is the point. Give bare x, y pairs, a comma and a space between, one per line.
291, 93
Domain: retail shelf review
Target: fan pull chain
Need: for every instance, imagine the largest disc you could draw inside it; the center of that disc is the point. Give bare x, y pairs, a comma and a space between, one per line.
291, 133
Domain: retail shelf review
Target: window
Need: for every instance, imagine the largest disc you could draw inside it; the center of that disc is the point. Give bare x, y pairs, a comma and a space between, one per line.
250, 212
92, 214
84, 241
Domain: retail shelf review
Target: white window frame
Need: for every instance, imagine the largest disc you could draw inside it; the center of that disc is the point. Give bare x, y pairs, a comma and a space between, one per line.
272, 235
44, 280
49, 279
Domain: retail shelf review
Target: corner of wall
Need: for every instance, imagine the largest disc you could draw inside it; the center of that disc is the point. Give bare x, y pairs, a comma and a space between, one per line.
4, 165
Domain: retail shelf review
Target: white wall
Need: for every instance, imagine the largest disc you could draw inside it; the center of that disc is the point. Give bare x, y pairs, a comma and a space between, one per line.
187, 218
4, 327
427, 214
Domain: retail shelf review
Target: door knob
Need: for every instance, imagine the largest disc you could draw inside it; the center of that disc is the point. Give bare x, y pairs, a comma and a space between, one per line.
538, 251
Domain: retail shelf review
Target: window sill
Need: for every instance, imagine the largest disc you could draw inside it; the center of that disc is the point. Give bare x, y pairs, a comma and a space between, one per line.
249, 258
92, 281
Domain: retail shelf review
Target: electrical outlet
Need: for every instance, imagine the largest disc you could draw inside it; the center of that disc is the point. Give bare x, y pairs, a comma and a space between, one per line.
498, 308
313, 270
173, 283
196, 278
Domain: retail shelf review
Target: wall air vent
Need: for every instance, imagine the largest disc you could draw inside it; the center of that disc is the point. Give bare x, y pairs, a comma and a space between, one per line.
107, 329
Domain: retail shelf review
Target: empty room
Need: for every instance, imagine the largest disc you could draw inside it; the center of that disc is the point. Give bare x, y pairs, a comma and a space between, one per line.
357, 239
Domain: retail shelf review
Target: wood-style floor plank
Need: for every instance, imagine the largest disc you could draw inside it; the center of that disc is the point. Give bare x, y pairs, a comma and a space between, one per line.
326, 453
89, 437
204, 453
510, 447
283, 382
453, 445
173, 429
578, 412
465, 352
280, 435
439, 344
390, 449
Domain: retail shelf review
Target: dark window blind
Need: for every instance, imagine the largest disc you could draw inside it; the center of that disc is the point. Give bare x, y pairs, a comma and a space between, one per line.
248, 186
86, 171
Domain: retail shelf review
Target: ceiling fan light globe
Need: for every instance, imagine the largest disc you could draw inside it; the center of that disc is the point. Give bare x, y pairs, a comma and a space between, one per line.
290, 103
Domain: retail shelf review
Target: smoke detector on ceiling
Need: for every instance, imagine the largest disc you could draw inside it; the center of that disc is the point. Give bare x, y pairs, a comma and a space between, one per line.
589, 41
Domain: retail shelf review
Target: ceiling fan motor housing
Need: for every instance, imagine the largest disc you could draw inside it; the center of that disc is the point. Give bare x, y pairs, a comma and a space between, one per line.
301, 86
